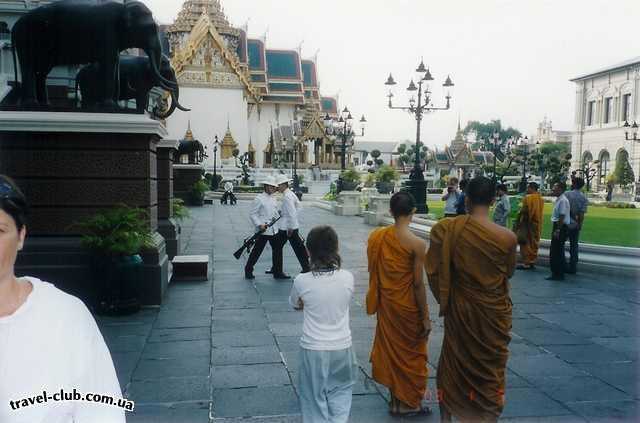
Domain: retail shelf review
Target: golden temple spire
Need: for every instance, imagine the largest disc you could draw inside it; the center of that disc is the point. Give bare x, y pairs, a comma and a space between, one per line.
188, 136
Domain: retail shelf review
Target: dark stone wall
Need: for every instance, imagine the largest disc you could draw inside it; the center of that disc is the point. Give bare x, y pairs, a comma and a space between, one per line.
69, 176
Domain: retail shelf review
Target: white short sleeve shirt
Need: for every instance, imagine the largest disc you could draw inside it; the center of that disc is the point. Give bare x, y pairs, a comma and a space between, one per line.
326, 298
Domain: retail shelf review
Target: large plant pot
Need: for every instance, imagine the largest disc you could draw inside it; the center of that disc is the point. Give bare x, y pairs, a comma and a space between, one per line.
349, 185
196, 200
385, 187
116, 279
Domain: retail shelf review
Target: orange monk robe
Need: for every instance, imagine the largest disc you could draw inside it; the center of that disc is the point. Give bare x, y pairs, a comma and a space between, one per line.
530, 218
468, 267
399, 353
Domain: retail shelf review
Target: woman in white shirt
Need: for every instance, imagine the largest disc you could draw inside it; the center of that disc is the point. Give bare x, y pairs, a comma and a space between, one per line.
328, 366
50, 345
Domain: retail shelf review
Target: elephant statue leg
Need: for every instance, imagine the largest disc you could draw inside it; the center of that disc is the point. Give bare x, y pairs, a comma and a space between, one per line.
41, 88
110, 81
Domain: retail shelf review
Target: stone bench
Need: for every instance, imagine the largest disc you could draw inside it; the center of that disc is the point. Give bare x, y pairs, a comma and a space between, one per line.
190, 268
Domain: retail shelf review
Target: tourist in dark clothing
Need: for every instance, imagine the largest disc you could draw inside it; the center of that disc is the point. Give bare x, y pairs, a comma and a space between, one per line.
461, 207
578, 208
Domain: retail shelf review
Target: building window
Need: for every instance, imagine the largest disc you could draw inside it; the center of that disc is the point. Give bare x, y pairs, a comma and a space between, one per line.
591, 108
608, 109
626, 107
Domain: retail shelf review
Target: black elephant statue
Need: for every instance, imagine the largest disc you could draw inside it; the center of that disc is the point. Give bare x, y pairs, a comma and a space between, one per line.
77, 32
137, 78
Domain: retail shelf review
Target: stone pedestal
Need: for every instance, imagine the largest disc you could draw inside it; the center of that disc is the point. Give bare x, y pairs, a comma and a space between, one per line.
378, 208
367, 193
418, 188
70, 166
184, 176
348, 203
167, 226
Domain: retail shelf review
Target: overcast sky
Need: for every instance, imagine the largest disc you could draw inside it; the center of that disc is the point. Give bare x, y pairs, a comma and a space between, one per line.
509, 59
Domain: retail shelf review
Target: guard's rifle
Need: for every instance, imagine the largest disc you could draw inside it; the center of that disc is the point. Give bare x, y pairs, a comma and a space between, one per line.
249, 242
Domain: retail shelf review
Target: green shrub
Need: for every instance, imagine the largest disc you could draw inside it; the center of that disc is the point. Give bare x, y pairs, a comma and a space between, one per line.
180, 211
387, 173
118, 231
616, 205
350, 175
249, 189
332, 194
370, 180
199, 188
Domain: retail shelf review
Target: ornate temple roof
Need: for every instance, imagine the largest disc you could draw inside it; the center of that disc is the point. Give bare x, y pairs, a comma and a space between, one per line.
193, 9
309, 75
329, 105
283, 64
255, 50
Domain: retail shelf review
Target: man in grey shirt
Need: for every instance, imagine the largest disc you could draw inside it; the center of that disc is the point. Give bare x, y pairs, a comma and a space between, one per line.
578, 205
451, 198
503, 206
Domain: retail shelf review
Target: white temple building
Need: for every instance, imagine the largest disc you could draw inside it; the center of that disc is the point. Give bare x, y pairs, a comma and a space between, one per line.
262, 101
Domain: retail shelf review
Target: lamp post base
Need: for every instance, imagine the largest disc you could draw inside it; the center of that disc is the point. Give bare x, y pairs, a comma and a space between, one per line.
418, 188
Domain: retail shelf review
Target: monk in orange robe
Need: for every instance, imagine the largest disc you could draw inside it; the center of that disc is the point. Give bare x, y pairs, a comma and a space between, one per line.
397, 294
469, 263
528, 226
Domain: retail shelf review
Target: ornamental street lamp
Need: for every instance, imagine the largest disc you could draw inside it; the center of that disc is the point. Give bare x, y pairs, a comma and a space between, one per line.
633, 136
343, 128
523, 143
417, 184
215, 163
634, 131
296, 147
498, 146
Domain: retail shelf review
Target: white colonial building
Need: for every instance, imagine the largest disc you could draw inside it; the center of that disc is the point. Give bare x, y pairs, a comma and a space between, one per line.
605, 100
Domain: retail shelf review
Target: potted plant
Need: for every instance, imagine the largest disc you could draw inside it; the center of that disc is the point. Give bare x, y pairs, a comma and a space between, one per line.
197, 192
386, 178
350, 180
180, 211
115, 238
370, 180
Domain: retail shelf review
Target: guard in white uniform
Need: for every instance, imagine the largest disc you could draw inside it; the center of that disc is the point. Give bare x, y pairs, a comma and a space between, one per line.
263, 210
289, 228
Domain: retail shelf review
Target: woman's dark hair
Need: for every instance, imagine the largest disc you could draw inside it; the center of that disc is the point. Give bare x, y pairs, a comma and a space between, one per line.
402, 204
322, 244
481, 191
13, 201
502, 187
463, 184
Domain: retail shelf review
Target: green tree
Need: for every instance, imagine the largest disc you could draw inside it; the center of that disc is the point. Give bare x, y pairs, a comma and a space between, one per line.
551, 162
485, 131
623, 171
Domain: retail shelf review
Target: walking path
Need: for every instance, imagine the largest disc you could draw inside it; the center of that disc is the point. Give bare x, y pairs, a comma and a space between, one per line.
226, 350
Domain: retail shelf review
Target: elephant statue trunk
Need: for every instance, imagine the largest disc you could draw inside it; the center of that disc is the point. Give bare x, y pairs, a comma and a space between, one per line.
175, 103
155, 67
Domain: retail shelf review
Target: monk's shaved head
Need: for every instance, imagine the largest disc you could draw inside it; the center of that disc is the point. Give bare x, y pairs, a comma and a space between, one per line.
481, 191
402, 204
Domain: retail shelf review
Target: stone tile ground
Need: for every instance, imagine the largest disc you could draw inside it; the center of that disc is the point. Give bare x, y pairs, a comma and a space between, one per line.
226, 349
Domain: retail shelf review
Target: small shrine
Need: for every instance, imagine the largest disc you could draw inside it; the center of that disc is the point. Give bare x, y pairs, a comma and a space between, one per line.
228, 145
190, 151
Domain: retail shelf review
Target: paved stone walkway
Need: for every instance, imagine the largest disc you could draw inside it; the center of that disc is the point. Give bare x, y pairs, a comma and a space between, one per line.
226, 349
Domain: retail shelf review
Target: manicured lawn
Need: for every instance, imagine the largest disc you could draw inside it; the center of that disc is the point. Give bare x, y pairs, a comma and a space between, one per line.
602, 225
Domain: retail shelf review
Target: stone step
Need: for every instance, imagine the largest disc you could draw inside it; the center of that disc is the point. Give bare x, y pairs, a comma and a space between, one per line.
190, 268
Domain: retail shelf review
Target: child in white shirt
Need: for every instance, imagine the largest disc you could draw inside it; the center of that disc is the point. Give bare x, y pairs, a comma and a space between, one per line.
328, 366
